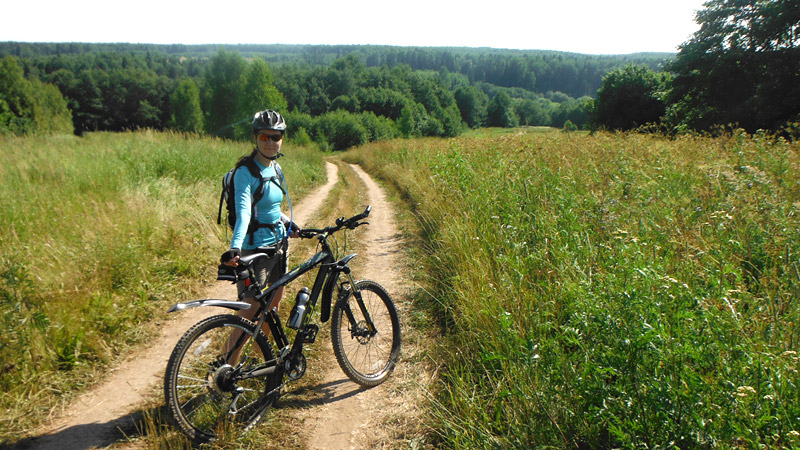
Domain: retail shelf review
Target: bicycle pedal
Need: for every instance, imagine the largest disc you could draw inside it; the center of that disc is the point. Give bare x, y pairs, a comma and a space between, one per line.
310, 333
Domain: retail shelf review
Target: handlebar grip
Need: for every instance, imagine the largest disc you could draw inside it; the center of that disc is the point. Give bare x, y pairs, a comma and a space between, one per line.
363, 215
308, 233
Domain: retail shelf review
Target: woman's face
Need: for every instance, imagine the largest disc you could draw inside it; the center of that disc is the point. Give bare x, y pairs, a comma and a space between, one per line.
265, 139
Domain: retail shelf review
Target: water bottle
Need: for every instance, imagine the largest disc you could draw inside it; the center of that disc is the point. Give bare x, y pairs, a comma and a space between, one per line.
299, 310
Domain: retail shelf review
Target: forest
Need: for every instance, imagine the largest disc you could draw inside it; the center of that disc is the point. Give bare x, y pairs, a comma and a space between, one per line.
339, 95
741, 69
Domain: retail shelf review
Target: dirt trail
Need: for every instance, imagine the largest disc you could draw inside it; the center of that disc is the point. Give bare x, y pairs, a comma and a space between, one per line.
93, 418
347, 419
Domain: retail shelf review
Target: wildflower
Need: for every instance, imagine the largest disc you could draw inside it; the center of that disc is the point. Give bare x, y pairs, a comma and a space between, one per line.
744, 391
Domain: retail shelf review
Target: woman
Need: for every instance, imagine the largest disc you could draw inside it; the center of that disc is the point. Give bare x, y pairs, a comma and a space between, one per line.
262, 224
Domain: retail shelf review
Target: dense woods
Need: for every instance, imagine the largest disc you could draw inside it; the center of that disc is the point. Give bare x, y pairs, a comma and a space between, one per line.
340, 95
742, 68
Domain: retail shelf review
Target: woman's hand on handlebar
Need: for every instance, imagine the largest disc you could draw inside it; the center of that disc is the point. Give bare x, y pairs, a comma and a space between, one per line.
293, 230
231, 257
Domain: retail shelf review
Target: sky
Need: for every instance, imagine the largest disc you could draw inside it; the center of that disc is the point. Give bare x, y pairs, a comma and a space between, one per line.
580, 26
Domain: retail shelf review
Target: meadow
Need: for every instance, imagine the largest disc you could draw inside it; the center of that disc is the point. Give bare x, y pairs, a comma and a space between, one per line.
579, 291
606, 290
99, 235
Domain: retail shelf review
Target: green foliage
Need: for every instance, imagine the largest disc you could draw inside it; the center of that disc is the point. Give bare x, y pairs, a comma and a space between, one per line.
382, 101
572, 110
630, 97
187, 115
742, 67
534, 112
608, 291
108, 88
472, 105
500, 113
378, 128
224, 97
30, 107
257, 94
301, 137
346, 103
342, 130
537, 70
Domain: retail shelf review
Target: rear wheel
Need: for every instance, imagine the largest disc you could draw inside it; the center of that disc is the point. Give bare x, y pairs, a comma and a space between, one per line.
367, 356
203, 386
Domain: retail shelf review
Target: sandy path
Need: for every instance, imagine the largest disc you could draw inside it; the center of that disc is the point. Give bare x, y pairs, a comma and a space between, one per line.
348, 417
92, 419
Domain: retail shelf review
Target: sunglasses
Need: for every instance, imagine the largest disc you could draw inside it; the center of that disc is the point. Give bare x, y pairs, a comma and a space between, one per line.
266, 137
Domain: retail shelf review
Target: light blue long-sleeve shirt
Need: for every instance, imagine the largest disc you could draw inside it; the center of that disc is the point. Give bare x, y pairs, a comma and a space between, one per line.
268, 209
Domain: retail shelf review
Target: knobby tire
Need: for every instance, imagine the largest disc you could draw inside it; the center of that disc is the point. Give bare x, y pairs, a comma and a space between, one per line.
198, 388
366, 358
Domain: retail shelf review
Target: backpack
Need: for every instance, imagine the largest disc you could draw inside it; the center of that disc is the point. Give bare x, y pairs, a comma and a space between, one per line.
228, 194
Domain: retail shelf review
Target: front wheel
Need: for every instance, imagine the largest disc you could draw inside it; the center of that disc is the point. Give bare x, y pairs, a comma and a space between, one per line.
366, 333
205, 387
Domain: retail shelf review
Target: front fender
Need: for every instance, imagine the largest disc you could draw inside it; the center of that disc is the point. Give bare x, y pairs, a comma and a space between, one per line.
230, 304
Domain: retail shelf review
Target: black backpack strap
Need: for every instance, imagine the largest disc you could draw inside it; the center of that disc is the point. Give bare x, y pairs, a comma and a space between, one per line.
278, 178
281, 179
219, 214
256, 173
256, 225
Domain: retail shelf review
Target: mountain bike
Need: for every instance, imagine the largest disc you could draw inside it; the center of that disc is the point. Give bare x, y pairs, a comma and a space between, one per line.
225, 372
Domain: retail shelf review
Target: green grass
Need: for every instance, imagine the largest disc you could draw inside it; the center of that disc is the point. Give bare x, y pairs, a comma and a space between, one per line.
604, 291
608, 291
99, 235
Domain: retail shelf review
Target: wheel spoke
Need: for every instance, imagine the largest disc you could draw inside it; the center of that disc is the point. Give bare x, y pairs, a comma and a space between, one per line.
366, 359
200, 385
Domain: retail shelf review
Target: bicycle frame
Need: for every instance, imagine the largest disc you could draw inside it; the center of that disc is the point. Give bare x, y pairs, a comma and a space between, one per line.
225, 371
328, 275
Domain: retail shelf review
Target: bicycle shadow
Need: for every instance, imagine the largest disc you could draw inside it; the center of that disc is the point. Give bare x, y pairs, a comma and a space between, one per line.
134, 425
319, 394
84, 436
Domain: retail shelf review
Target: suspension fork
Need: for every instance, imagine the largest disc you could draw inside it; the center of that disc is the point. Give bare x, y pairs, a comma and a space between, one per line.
349, 313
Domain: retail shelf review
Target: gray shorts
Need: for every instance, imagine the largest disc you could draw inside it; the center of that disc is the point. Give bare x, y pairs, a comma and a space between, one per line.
266, 269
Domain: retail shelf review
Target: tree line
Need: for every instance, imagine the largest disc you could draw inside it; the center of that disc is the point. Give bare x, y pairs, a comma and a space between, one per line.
741, 69
541, 71
340, 104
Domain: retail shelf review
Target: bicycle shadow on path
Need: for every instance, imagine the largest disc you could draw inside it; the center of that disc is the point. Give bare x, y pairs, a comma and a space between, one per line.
321, 394
85, 436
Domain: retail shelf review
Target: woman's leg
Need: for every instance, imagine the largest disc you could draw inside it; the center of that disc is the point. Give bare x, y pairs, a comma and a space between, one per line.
278, 269
250, 314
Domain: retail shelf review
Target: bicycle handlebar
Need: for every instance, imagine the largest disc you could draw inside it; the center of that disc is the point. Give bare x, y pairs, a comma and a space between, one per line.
341, 222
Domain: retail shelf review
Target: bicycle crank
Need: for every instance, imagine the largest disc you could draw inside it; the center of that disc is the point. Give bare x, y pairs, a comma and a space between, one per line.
296, 367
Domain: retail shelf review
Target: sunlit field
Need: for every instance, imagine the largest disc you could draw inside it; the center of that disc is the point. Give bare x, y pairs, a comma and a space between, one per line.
607, 290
